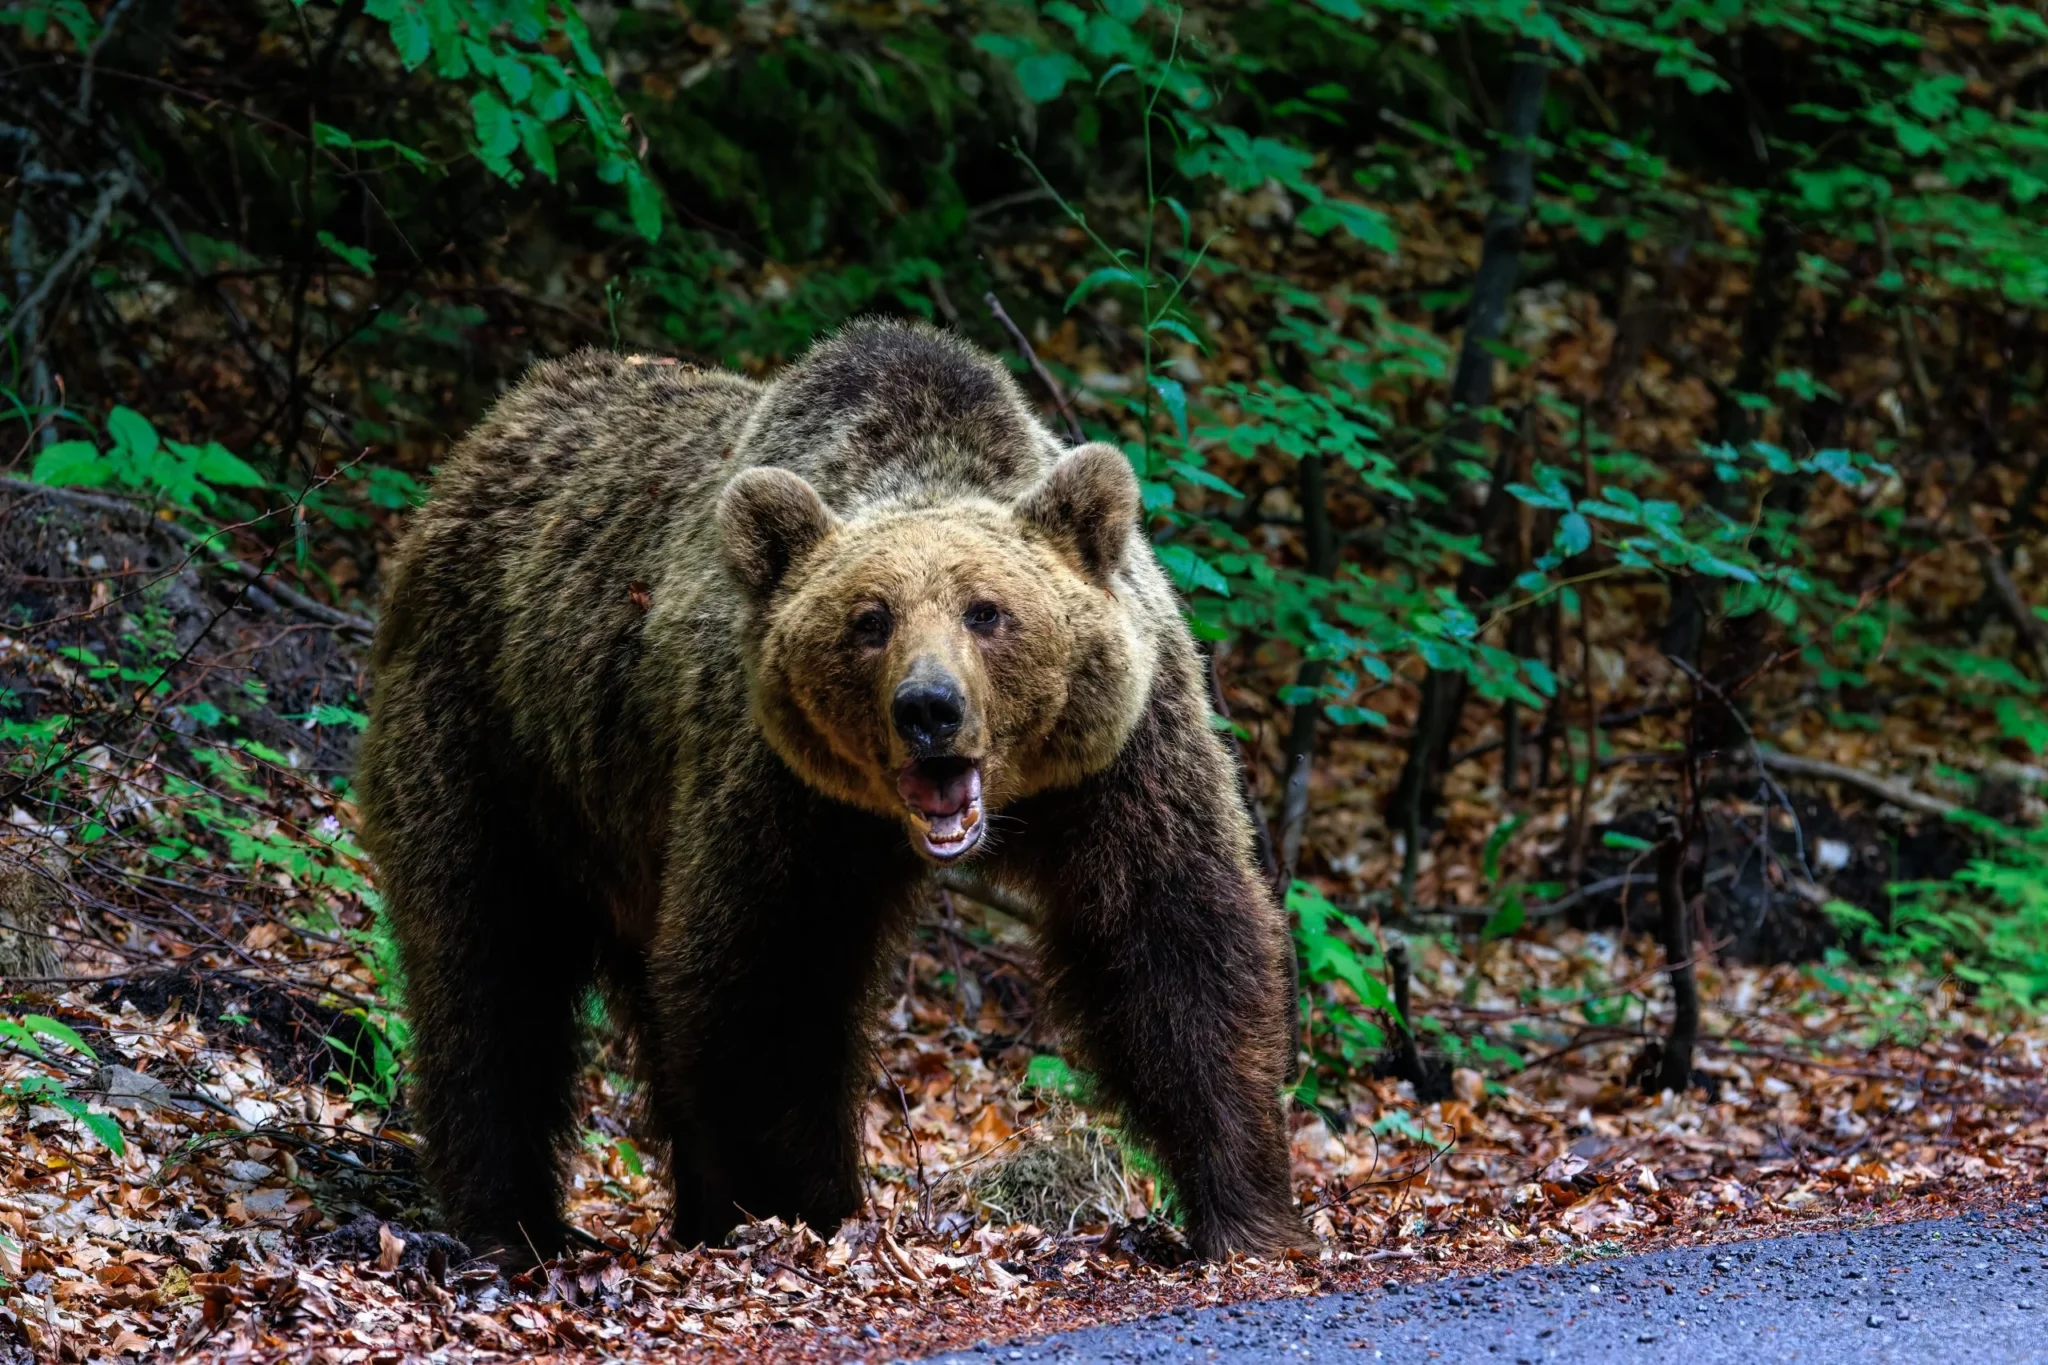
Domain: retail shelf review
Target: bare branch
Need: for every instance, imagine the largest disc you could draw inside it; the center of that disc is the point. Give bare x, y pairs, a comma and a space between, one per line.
292, 597
115, 190
1045, 377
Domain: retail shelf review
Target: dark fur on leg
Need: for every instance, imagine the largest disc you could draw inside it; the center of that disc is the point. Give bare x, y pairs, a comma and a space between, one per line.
496, 980
1164, 951
782, 909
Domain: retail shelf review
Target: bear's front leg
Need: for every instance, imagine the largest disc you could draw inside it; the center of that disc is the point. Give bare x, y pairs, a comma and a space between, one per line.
1164, 954
780, 912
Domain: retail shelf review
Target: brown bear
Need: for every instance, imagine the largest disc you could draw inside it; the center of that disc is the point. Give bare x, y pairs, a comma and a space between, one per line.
683, 686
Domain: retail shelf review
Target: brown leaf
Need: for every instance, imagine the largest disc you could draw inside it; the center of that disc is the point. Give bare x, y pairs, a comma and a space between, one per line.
390, 1246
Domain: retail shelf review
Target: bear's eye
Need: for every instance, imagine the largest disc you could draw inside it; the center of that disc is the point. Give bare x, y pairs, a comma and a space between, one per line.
870, 629
983, 618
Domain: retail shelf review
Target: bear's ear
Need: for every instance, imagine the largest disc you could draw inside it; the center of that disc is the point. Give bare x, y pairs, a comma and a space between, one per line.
767, 519
1087, 506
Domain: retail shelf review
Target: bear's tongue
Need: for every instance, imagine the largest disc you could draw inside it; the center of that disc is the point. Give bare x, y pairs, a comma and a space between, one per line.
944, 794
935, 787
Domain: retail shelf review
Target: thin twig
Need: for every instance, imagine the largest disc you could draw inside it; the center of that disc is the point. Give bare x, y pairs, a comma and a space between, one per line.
916, 1147
989, 950
1675, 1072
1998, 583
981, 893
115, 190
1609, 720
1045, 377
92, 55
1884, 788
333, 616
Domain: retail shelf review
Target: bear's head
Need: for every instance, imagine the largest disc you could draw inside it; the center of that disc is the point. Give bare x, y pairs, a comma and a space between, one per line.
935, 663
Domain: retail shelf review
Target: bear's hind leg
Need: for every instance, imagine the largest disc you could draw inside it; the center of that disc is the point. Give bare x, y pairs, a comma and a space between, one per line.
496, 961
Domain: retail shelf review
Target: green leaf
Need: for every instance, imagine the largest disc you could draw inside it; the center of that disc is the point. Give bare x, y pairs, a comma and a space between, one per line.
579, 43
1368, 225
1004, 46
103, 1127
1489, 856
1043, 75
644, 200
22, 1038
1191, 572
58, 1031
215, 463
132, 432
539, 147
355, 257
2023, 721
72, 464
1508, 918
409, 31
1051, 1075
1614, 838
1175, 395
1574, 533
1341, 714
1097, 278
1202, 478
497, 136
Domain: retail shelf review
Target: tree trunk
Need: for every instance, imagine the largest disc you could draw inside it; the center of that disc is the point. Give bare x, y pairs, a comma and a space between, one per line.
1675, 1066
1512, 182
1771, 297
1321, 547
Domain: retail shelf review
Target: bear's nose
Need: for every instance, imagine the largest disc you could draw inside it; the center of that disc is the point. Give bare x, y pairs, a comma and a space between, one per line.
927, 712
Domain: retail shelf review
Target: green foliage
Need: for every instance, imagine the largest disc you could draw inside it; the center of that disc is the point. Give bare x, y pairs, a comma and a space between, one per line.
1988, 927
1343, 976
25, 1035
1047, 1074
1049, 1077
371, 1074
138, 460
527, 97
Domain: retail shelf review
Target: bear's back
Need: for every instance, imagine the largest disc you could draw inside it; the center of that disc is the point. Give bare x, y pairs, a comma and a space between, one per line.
888, 412
583, 497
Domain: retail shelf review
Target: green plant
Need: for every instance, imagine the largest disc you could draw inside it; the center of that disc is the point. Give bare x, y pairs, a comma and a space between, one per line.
526, 98
376, 1061
1050, 1075
1343, 977
25, 1035
372, 1075
1988, 926
141, 461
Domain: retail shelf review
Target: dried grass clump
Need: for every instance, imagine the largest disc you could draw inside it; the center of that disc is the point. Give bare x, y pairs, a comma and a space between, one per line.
1074, 1173
30, 902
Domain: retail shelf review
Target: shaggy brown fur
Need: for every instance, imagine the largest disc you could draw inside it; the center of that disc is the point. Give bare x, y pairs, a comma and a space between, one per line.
639, 721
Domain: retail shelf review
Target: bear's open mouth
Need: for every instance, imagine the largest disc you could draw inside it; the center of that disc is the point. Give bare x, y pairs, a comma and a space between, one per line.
944, 797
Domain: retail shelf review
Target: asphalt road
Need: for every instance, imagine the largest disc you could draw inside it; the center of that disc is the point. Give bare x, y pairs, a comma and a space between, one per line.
1956, 1291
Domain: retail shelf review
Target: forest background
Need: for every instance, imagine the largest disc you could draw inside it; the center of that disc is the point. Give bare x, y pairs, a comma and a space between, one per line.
1599, 446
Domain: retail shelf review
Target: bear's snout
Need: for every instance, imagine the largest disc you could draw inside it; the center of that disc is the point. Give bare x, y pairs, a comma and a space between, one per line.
927, 711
